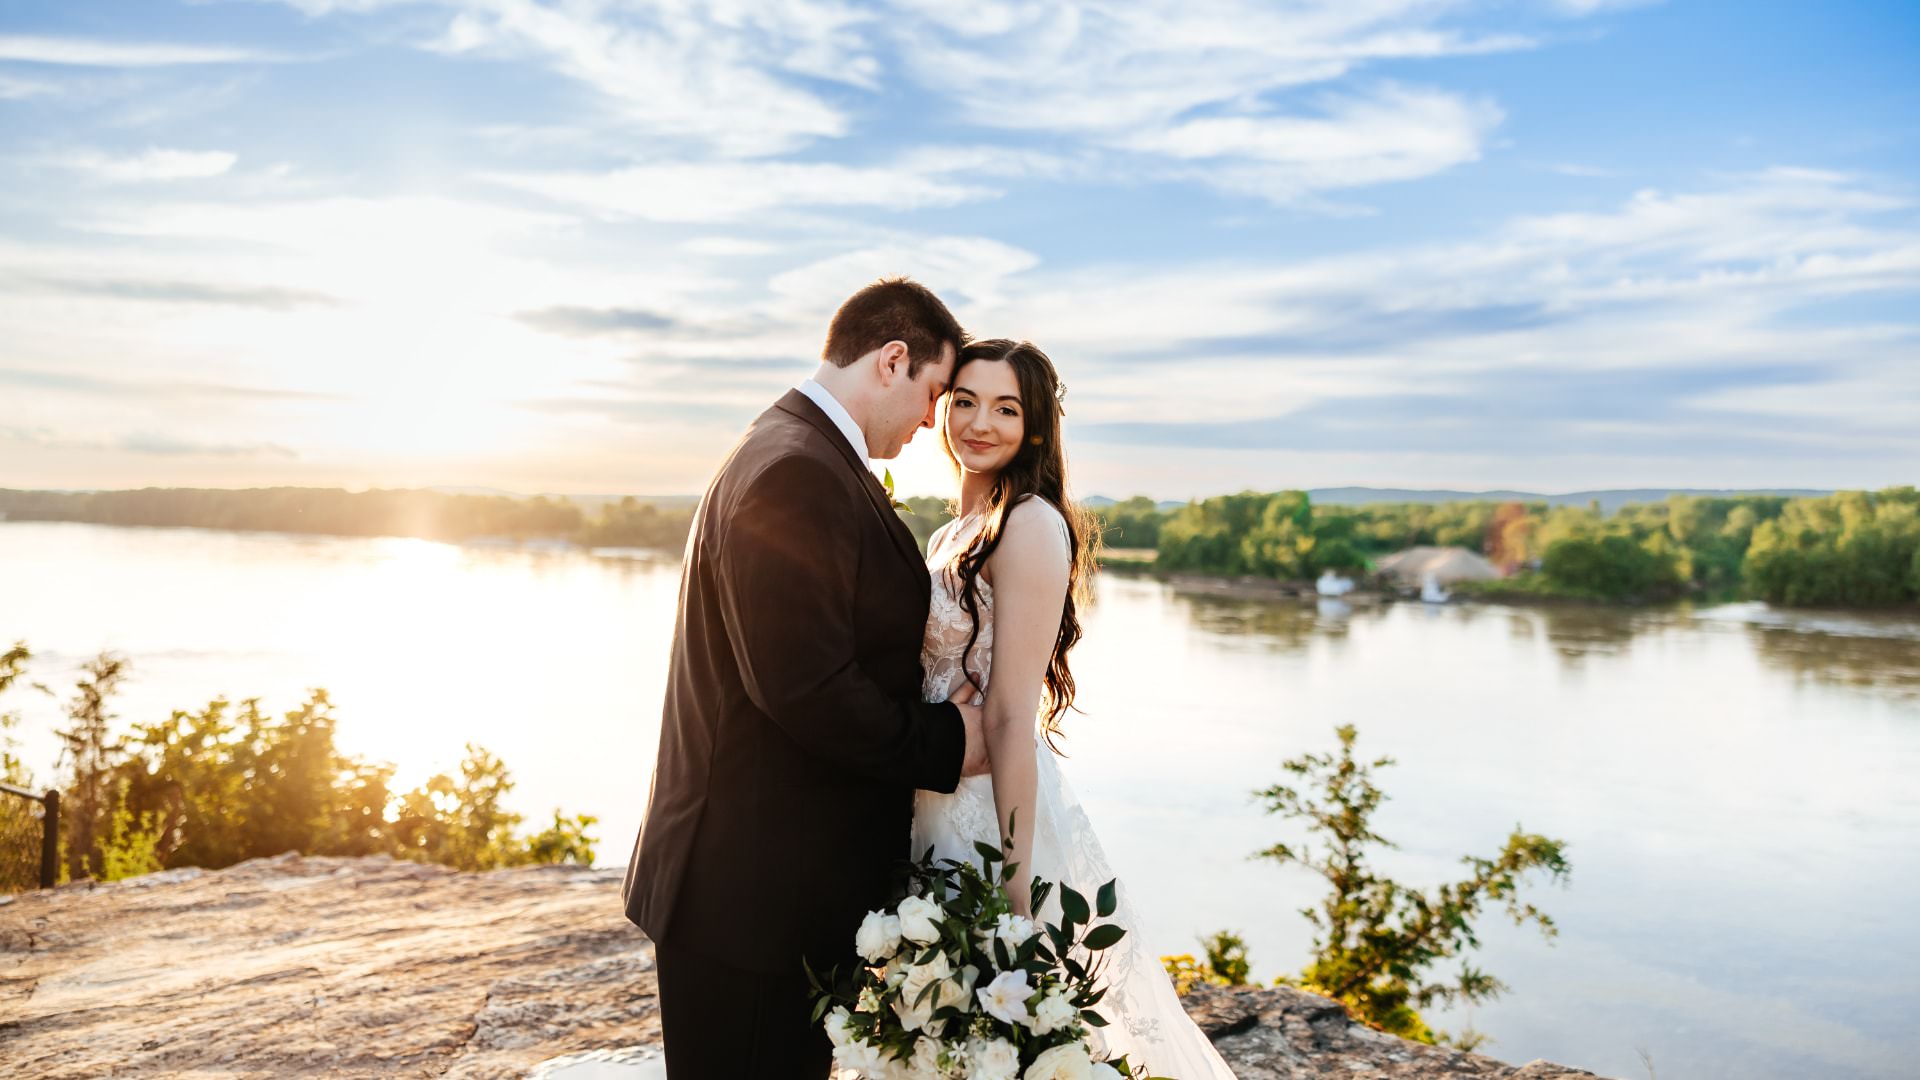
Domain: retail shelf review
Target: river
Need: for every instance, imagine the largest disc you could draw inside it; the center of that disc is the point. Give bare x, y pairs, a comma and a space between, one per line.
1736, 785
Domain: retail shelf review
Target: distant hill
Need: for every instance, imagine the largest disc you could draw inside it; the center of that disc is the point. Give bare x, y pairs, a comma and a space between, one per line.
1610, 499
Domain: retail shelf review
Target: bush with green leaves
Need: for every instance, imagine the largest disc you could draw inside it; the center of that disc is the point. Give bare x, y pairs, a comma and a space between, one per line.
225, 783
1376, 939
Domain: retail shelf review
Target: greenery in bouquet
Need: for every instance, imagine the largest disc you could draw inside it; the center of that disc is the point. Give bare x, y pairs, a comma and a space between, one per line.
953, 985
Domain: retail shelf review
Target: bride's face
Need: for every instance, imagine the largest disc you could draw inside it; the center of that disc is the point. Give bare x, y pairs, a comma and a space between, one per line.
985, 425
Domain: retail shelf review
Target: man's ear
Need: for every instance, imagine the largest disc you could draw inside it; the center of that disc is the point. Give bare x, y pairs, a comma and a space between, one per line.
893, 362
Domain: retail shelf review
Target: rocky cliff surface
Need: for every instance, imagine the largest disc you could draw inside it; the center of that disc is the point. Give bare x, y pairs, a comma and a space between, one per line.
296, 966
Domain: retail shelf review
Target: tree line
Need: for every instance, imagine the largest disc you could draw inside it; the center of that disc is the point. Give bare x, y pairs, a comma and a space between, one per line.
224, 783
427, 515
1851, 548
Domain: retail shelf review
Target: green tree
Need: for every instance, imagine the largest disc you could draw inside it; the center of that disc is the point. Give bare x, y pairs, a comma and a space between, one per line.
1375, 938
1851, 548
1225, 963
461, 822
220, 785
20, 828
1134, 523
924, 515
89, 747
13, 667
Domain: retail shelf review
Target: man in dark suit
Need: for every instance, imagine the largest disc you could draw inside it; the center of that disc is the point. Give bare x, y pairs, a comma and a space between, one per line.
794, 732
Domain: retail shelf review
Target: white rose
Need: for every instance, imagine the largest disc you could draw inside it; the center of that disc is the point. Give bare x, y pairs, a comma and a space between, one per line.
836, 1025
878, 937
925, 1062
913, 1011
1069, 1062
1013, 929
992, 1059
919, 919
863, 1059
1005, 998
1053, 1013
916, 1014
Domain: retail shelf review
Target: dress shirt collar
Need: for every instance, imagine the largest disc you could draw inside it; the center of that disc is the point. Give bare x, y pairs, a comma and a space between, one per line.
838, 413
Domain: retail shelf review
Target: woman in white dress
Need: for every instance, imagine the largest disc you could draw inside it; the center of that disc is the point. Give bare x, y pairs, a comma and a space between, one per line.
1008, 576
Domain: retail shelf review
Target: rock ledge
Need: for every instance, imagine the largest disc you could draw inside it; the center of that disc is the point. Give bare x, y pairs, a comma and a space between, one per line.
296, 966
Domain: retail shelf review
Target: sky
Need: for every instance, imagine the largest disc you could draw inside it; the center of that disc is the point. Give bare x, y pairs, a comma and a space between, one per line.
577, 245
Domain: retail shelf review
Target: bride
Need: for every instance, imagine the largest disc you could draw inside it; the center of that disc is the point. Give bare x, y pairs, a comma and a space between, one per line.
1008, 574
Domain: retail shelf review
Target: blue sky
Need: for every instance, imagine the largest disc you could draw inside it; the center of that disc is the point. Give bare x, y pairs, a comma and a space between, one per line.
576, 246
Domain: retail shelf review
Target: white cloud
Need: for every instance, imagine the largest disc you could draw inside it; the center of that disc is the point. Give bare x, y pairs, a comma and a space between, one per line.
965, 270
733, 190
1109, 69
1392, 134
1166, 81
1594, 7
706, 75
728, 246
155, 165
90, 53
12, 89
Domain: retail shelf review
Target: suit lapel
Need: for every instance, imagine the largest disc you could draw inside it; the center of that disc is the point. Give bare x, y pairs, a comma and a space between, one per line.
802, 406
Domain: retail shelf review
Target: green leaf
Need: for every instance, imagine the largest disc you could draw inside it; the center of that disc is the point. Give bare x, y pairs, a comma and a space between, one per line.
987, 851
1093, 1018
1073, 906
1109, 899
1103, 937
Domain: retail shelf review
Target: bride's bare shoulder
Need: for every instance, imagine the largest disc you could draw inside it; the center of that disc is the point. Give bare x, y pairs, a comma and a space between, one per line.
1036, 528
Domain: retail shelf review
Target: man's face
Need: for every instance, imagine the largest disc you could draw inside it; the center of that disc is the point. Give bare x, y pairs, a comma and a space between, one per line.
912, 403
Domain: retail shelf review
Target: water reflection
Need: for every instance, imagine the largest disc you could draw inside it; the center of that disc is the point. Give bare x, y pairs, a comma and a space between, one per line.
1886, 664
1579, 632
1282, 624
1861, 650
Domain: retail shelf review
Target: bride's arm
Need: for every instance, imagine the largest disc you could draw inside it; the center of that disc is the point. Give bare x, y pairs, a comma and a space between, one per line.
1029, 573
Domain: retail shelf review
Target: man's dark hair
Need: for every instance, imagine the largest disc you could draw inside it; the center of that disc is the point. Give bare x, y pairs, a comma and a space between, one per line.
893, 309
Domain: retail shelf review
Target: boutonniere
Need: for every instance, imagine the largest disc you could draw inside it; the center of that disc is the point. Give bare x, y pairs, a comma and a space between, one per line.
886, 481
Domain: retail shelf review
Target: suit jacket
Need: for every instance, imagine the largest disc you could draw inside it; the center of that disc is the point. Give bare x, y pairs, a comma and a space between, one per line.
793, 735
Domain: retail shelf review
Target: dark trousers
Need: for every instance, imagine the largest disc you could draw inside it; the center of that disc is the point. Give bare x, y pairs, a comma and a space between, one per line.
721, 1023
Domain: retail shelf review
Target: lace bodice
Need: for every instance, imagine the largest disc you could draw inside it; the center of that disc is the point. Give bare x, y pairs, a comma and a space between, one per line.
948, 623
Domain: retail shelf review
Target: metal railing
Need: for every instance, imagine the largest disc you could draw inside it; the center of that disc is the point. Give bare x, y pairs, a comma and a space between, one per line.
49, 839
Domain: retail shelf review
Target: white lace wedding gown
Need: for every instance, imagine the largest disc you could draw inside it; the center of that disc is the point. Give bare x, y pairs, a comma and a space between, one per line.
1146, 1021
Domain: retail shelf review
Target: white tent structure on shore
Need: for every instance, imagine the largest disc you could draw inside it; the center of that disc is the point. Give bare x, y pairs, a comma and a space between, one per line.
1416, 566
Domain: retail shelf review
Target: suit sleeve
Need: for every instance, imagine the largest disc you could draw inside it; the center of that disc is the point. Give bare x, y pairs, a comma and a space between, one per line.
787, 578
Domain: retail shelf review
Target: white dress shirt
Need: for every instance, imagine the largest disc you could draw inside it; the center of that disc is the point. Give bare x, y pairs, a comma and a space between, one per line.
838, 413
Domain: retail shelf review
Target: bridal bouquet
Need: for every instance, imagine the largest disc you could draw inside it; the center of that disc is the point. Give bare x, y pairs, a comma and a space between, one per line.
955, 986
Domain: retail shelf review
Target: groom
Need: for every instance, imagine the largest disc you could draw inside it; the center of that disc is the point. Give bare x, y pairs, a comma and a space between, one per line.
794, 734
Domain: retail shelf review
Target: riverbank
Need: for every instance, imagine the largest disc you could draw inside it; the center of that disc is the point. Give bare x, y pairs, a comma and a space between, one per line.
1139, 564
296, 966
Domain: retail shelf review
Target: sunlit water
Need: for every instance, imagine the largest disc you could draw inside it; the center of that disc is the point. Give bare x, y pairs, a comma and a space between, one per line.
1739, 787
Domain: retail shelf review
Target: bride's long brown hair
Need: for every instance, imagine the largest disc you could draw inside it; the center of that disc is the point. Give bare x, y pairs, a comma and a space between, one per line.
1038, 469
